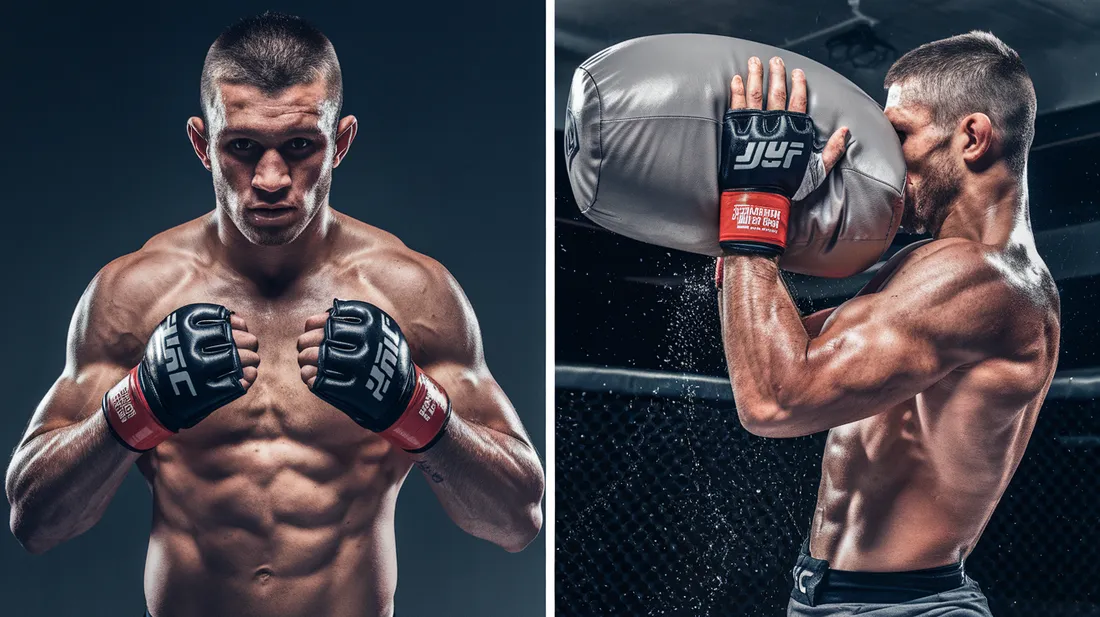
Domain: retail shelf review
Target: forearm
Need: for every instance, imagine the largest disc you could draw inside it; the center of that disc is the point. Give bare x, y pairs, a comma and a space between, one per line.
490, 483
764, 339
60, 482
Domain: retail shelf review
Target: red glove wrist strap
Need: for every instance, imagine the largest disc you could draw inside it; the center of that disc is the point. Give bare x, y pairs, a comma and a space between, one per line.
424, 418
130, 417
754, 217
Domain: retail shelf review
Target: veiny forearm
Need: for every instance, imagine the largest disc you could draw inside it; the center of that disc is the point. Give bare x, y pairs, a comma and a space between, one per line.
60, 482
490, 483
764, 339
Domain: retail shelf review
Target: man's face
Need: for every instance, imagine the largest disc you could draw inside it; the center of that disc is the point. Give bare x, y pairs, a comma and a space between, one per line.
271, 158
933, 177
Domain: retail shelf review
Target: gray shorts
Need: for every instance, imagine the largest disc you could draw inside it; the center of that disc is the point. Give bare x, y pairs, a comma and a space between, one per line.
966, 601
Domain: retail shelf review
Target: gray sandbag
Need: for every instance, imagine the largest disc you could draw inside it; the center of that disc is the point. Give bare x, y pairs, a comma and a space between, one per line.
642, 134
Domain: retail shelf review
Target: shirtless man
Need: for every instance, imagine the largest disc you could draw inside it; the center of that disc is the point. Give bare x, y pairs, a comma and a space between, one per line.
929, 382
274, 439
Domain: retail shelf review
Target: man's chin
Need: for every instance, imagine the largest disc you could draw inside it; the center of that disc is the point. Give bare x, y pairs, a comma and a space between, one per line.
270, 236
273, 240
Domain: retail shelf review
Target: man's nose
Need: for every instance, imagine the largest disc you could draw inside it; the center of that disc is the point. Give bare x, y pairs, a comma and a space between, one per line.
272, 173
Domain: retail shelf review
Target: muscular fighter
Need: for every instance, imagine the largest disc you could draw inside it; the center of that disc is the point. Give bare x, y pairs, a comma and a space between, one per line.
273, 433
930, 380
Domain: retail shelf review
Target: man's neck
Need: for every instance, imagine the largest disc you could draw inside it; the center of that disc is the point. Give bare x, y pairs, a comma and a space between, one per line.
272, 268
991, 208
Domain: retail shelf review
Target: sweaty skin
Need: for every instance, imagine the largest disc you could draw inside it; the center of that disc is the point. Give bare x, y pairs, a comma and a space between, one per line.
929, 381
276, 504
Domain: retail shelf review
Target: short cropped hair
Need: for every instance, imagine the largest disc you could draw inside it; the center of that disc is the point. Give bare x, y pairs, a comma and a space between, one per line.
271, 52
970, 73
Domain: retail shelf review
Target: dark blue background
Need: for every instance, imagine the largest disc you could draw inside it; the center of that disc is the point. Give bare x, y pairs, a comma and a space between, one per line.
95, 160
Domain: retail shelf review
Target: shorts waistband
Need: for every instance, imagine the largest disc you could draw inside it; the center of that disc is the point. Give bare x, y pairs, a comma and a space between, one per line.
841, 586
816, 583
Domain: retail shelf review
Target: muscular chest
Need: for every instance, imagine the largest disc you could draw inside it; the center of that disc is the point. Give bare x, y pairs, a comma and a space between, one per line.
279, 405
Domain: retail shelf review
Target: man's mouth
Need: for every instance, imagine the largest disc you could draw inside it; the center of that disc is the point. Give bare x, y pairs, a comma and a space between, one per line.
270, 215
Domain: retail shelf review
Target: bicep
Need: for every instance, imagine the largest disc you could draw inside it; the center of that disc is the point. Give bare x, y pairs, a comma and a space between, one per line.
98, 354
868, 357
450, 350
880, 349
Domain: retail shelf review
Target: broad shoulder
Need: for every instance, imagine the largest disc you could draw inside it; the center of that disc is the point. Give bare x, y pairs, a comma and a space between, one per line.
425, 298
951, 256
400, 274
996, 274
1001, 294
128, 297
168, 262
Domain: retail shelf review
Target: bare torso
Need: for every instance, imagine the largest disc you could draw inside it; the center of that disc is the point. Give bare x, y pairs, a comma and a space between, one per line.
913, 487
276, 504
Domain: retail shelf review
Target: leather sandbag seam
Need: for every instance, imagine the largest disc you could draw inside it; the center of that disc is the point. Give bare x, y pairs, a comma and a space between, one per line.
871, 178
893, 211
663, 117
610, 215
885, 240
599, 140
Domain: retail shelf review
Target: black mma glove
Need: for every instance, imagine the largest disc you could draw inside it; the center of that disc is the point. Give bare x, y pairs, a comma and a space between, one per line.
191, 367
768, 159
364, 370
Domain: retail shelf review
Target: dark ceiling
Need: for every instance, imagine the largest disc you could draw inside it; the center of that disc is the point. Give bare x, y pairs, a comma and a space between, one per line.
1059, 40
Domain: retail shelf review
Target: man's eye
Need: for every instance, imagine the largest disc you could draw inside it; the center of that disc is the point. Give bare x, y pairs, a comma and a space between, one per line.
242, 145
299, 143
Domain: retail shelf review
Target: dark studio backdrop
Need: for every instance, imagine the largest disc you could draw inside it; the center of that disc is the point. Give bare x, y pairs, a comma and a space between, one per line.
449, 157
665, 505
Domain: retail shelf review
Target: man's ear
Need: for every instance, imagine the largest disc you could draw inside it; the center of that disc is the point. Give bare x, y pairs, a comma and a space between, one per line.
981, 143
345, 134
196, 132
